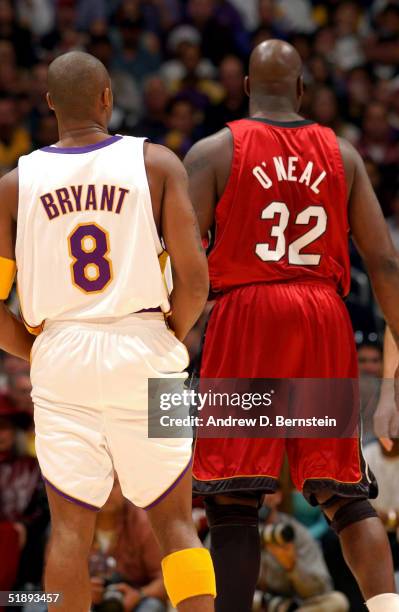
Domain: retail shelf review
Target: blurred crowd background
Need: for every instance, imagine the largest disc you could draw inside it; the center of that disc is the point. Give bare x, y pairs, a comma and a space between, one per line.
177, 68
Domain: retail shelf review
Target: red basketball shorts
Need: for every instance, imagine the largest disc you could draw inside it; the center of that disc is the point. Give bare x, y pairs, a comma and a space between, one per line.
298, 330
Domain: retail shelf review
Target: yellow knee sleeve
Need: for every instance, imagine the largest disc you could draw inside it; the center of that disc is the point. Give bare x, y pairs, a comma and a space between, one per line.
8, 269
188, 573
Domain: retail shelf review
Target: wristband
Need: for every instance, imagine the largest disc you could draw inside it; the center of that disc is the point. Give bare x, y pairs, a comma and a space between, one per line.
8, 270
391, 520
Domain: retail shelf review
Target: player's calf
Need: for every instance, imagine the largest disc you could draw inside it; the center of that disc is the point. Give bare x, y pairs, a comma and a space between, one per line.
235, 548
72, 528
361, 531
187, 566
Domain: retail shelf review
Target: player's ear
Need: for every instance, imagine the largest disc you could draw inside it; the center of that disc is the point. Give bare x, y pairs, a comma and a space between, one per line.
107, 98
49, 101
247, 87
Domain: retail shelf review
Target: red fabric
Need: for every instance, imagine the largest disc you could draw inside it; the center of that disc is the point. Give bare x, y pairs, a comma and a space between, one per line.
298, 330
239, 224
9, 558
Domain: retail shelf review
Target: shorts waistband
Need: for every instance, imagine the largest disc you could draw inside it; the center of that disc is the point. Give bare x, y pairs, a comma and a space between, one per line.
148, 315
316, 282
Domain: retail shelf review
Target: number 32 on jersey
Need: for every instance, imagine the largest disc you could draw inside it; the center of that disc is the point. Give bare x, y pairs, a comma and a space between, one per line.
295, 256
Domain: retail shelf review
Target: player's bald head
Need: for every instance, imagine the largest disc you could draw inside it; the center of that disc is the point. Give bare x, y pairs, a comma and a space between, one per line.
275, 69
76, 83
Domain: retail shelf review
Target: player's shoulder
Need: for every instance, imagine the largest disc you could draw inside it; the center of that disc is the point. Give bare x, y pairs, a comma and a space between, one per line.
210, 152
210, 144
161, 161
9, 181
351, 159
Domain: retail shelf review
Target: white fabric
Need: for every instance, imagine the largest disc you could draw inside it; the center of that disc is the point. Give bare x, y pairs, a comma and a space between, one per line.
387, 602
49, 284
90, 405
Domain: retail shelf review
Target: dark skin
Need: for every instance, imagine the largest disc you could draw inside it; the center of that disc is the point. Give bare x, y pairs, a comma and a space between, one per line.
275, 89
73, 525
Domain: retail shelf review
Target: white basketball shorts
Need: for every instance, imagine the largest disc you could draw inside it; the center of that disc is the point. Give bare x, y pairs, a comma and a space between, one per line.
90, 393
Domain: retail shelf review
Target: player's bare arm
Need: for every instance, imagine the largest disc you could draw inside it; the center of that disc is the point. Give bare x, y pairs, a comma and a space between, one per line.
14, 337
178, 227
208, 165
386, 418
371, 237
374, 243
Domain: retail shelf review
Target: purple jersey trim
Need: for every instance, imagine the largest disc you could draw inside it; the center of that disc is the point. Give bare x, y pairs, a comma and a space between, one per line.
157, 309
69, 498
86, 149
170, 489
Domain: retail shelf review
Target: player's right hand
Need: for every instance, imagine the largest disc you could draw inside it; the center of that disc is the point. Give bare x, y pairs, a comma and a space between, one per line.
386, 416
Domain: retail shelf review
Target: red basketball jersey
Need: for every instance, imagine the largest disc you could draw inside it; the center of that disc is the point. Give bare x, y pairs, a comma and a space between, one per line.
283, 216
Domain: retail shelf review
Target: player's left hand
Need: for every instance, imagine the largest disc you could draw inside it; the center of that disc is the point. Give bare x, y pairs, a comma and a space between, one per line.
131, 598
285, 554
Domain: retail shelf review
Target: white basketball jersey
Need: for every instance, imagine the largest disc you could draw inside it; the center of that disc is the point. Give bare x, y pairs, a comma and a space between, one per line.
87, 245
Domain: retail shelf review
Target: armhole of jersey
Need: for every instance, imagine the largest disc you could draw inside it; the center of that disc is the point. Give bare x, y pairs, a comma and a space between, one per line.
228, 194
341, 169
235, 164
21, 213
149, 209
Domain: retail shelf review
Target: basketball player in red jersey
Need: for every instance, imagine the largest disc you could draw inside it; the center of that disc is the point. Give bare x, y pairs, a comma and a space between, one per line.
284, 193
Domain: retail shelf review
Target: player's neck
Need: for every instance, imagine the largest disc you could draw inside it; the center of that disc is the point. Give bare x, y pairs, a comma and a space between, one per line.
81, 135
277, 115
275, 108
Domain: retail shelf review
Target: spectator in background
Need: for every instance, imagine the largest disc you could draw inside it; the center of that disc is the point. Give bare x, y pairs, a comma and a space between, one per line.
127, 98
217, 39
161, 15
46, 132
358, 84
269, 22
18, 36
38, 16
64, 34
235, 101
181, 43
126, 557
137, 51
349, 28
183, 122
14, 138
156, 99
385, 466
193, 84
381, 47
23, 506
324, 110
319, 71
296, 16
379, 143
19, 389
369, 357
91, 14
294, 574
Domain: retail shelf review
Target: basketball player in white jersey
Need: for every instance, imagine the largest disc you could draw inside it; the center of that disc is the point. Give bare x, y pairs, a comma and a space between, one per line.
83, 220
